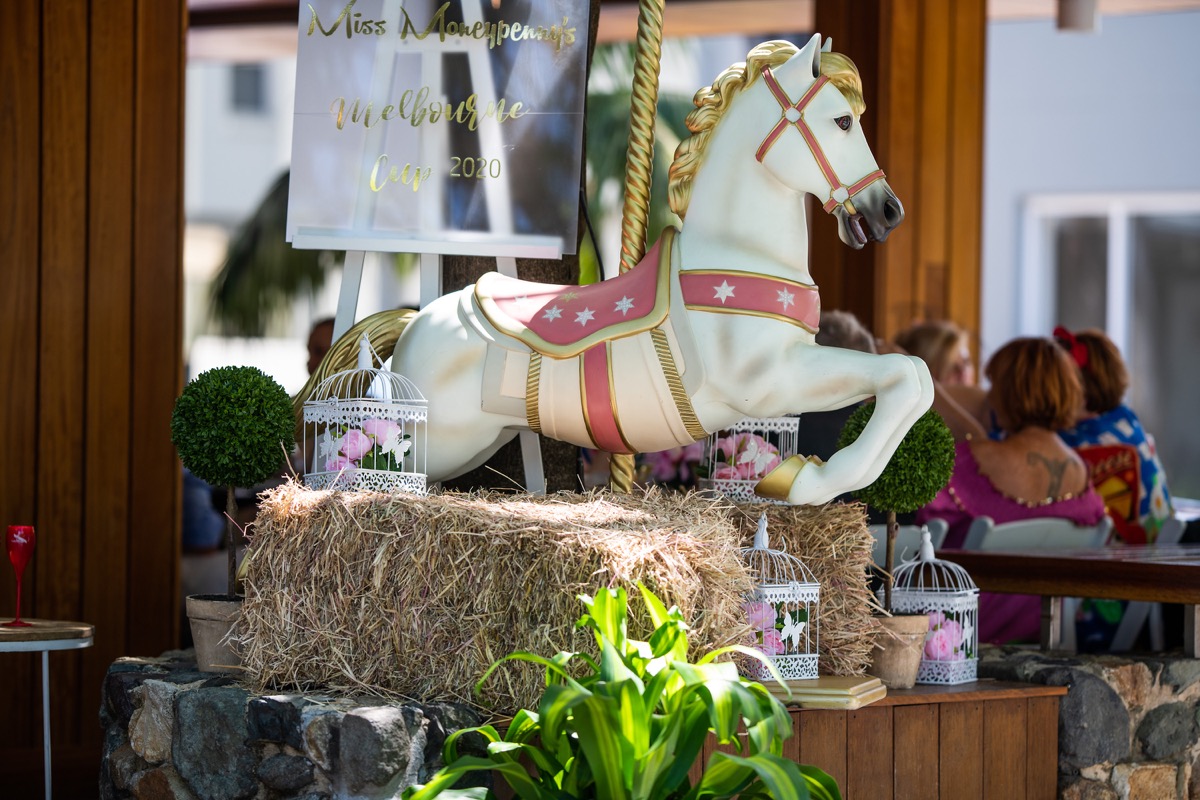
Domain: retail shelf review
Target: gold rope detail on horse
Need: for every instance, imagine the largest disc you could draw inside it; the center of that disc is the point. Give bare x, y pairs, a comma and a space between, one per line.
683, 403
640, 154
638, 173
533, 379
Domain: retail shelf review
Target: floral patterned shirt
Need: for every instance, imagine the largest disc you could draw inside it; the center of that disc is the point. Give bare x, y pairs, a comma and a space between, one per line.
1144, 482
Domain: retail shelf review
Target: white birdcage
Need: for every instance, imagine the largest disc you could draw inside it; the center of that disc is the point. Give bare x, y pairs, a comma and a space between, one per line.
944, 591
783, 610
737, 458
361, 430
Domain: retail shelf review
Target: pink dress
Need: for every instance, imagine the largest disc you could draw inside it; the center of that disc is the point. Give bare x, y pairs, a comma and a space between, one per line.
1002, 617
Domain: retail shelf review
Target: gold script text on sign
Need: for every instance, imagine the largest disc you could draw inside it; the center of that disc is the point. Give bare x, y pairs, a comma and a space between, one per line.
417, 109
496, 33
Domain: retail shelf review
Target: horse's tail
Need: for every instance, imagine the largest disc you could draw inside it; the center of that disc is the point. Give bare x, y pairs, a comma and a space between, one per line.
382, 330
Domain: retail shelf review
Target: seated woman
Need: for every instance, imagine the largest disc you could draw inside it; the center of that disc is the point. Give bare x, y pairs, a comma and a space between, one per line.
1123, 461
1030, 473
946, 350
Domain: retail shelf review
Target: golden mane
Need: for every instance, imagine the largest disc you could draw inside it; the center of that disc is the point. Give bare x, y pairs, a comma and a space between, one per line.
712, 101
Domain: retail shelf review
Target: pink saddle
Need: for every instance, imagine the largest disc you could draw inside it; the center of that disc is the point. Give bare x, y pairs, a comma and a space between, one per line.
564, 321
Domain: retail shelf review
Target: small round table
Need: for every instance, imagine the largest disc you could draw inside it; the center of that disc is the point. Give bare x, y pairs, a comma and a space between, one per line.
45, 635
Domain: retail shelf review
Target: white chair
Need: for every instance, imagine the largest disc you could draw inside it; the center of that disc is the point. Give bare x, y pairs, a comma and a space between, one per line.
908, 540
1045, 533
1138, 613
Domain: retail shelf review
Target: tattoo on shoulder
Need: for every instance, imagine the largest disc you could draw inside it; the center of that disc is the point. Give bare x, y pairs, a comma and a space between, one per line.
1056, 467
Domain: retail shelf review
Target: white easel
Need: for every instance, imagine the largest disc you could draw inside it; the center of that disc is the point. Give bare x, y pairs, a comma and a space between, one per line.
496, 195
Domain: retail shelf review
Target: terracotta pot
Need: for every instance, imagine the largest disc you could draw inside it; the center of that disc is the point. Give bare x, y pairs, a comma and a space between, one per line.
212, 617
899, 643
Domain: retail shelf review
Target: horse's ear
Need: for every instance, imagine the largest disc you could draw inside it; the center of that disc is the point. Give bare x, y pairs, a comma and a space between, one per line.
828, 46
807, 60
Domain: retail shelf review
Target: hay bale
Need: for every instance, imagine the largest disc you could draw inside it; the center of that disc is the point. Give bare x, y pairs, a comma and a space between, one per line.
416, 596
833, 541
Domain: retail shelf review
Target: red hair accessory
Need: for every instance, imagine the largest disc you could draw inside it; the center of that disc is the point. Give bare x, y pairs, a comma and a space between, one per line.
1076, 348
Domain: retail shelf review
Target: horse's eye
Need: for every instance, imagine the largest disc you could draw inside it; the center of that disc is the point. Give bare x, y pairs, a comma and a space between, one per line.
844, 122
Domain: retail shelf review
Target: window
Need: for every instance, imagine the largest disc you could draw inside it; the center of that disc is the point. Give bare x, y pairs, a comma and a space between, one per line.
248, 88
1129, 265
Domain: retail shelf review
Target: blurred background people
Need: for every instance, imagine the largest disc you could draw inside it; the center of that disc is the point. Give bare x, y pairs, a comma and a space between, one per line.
946, 350
944, 347
1030, 473
1123, 460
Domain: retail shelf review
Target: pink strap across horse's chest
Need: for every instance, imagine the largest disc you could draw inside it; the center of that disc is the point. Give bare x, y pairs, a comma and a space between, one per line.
730, 292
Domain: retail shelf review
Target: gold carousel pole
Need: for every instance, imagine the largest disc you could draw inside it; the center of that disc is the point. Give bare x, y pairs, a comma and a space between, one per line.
638, 168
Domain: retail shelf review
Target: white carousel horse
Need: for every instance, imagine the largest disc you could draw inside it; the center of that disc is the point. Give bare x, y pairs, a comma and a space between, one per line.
716, 324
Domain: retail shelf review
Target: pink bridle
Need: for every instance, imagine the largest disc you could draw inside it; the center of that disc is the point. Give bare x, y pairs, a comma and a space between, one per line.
793, 114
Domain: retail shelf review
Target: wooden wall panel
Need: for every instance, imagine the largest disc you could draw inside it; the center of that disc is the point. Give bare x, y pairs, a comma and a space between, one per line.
869, 754
91, 103
1041, 762
914, 730
964, 284
108, 343
922, 64
157, 311
823, 742
960, 728
1004, 729
61, 329
20, 148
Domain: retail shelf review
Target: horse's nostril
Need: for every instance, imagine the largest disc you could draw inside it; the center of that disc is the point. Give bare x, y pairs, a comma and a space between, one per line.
893, 212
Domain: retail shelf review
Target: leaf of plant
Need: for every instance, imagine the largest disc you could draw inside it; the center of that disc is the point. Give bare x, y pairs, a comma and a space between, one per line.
514, 775
450, 748
608, 756
821, 785
782, 778
557, 702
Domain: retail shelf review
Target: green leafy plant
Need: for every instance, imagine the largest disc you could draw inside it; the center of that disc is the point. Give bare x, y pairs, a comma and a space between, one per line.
917, 471
630, 724
233, 427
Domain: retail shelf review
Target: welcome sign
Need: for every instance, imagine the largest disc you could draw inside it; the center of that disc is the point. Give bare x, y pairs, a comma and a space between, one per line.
438, 127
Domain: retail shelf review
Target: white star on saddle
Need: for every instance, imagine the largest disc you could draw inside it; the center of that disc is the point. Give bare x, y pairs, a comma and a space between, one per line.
552, 313
585, 316
723, 292
624, 305
327, 448
787, 298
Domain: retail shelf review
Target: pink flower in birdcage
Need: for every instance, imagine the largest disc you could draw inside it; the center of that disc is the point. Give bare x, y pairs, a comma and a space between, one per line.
338, 464
761, 615
355, 444
745, 456
772, 642
940, 646
380, 429
944, 640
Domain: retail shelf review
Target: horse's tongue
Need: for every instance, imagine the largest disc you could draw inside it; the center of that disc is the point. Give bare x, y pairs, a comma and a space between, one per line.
857, 229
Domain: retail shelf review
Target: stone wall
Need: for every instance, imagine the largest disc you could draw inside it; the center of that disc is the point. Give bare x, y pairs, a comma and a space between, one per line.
1129, 727
173, 732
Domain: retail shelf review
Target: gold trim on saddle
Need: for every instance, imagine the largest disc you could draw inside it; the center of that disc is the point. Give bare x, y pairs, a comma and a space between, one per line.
683, 403
778, 482
533, 379
745, 312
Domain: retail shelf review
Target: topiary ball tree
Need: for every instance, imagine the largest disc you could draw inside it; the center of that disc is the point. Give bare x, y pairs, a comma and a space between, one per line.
918, 470
233, 427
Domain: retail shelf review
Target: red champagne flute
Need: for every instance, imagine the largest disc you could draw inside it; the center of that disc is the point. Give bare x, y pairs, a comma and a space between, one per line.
19, 541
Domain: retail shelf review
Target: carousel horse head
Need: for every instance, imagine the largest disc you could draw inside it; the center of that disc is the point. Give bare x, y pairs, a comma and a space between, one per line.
804, 105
